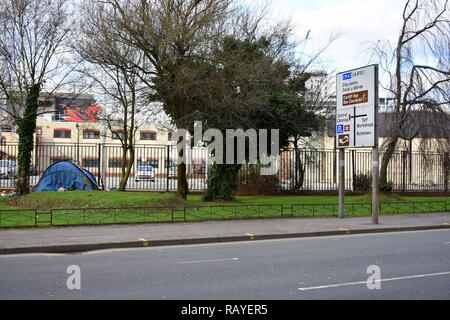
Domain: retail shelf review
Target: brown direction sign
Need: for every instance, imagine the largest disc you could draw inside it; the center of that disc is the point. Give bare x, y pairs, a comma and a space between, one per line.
344, 140
355, 98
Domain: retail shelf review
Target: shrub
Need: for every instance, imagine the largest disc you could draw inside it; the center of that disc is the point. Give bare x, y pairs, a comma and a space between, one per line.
362, 182
256, 184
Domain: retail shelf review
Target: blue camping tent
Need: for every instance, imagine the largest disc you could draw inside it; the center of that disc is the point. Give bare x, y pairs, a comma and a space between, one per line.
67, 175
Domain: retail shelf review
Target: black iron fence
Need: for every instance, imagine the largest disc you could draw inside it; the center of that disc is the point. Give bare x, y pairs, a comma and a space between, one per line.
297, 170
95, 216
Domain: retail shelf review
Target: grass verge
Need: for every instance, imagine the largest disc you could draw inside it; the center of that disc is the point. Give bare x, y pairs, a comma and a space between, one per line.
93, 207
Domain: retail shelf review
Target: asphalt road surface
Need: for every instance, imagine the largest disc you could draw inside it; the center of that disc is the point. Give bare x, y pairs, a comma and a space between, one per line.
411, 265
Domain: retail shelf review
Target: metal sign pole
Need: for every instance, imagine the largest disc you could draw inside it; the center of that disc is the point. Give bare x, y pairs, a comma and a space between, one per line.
341, 182
375, 157
375, 172
356, 102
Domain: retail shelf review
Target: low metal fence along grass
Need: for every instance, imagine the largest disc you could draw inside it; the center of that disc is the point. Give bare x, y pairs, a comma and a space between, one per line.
18, 218
96, 216
92, 216
331, 209
414, 207
217, 212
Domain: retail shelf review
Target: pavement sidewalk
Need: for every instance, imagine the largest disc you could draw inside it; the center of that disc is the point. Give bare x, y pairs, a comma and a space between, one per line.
85, 238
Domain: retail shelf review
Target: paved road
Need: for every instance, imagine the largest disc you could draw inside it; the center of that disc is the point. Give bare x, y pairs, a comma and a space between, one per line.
212, 231
413, 265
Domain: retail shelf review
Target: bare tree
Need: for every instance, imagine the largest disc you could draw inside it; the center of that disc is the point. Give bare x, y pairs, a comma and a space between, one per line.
418, 68
111, 65
318, 90
170, 34
123, 111
210, 60
32, 53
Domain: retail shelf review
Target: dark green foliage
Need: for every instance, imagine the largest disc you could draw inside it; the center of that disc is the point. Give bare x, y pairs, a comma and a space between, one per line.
362, 182
252, 88
387, 187
222, 181
253, 183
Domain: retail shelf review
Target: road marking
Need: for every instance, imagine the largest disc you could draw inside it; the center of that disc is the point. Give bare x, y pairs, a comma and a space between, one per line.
201, 261
144, 242
251, 236
446, 242
98, 251
110, 250
345, 229
52, 254
345, 284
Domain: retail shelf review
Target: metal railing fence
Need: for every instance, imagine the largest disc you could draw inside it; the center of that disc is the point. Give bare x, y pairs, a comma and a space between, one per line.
298, 170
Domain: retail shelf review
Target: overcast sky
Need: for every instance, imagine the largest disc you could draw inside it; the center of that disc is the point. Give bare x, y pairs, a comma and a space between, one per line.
360, 22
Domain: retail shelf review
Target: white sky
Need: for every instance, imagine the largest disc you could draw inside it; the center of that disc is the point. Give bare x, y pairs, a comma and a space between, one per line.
360, 22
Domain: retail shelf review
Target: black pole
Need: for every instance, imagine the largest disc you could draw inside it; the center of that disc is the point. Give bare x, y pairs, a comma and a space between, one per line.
404, 155
446, 170
78, 144
353, 169
167, 166
99, 163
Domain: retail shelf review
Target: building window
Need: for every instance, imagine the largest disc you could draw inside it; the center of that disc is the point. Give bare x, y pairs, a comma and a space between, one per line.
62, 133
171, 163
38, 131
154, 163
2, 141
149, 162
6, 128
118, 135
170, 135
199, 167
116, 162
90, 162
148, 135
61, 158
91, 134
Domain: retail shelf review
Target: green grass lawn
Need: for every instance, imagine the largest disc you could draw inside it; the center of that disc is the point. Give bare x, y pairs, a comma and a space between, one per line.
94, 207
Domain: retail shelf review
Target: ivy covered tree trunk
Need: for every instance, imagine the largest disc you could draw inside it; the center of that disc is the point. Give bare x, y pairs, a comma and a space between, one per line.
183, 187
222, 182
26, 126
182, 183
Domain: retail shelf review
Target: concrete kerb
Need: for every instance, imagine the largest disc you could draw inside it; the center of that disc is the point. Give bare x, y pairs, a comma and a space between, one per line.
79, 248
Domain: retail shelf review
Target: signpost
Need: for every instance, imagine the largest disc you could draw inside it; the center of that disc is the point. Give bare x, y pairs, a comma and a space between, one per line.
356, 108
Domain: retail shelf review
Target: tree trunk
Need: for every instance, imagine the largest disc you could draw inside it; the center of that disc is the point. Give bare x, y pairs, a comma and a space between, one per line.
299, 171
26, 127
384, 185
126, 169
183, 187
222, 182
182, 183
